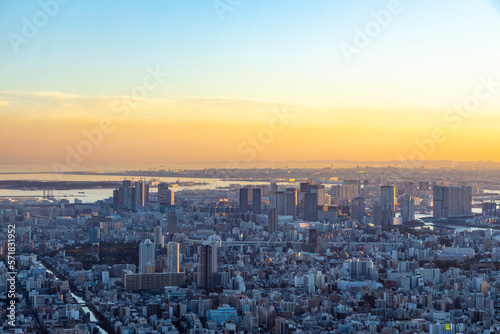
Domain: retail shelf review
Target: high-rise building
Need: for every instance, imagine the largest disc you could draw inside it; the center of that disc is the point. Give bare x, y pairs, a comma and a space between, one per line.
207, 263
256, 200
131, 196
489, 209
250, 199
246, 197
173, 256
407, 208
291, 202
452, 201
139, 196
320, 190
441, 202
280, 202
358, 268
311, 206
387, 204
272, 220
358, 208
146, 256
165, 195
158, 236
172, 223
377, 214
127, 194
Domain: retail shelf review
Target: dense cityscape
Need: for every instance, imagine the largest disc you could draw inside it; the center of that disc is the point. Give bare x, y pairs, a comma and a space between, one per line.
250, 166
303, 254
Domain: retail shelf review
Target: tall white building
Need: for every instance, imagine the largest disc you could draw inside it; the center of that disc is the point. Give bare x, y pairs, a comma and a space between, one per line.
158, 236
146, 256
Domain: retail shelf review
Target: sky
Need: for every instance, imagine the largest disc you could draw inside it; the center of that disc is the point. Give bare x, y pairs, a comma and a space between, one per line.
248, 80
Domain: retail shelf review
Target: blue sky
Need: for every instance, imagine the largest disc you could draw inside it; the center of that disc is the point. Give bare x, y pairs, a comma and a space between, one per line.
280, 50
227, 76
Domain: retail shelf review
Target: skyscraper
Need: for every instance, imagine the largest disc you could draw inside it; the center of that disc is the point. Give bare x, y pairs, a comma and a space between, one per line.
146, 256
452, 201
311, 206
290, 202
256, 200
158, 236
207, 263
173, 257
441, 202
165, 195
131, 196
272, 221
172, 223
358, 208
407, 208
387, 203
246, 197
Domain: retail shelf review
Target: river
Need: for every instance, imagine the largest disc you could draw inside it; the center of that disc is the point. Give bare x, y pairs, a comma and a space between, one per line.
80, 301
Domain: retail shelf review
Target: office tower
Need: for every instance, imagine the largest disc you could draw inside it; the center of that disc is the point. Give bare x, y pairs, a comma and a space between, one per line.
387, 203
290, 202
452, 201
131, 196
335, 191
466, 201
318, 189
441, 202
455, 197
280, 202
358, 208
158, 236
146, 256
127, 194
348, 190
207, 263
355, 182
117, 198
172, 223
311, 206
256, 200
272, 221
165, 195
312, 188
377, 214
407, 208
273, 199
139, 195
246, 197
173, 256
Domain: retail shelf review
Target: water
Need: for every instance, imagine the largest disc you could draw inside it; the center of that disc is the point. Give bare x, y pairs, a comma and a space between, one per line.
93, 195
79, 301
